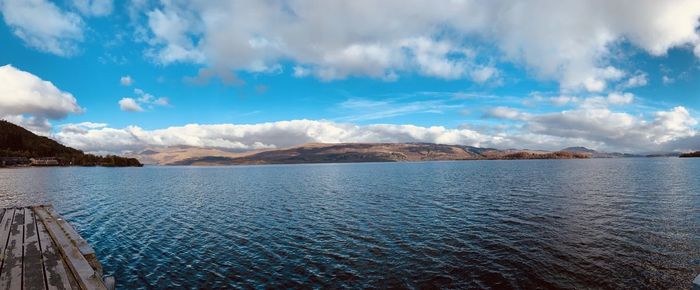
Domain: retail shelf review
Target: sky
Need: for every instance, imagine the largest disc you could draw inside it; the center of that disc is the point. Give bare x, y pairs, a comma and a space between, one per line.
110, 76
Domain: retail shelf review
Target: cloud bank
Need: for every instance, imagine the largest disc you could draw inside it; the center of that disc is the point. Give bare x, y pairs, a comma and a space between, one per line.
572, 42
575, 43
589, 125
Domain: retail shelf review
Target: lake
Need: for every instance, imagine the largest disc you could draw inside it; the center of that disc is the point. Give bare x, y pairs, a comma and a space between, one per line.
598, 223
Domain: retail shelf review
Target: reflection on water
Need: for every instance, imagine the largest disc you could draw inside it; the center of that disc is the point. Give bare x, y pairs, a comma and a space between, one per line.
632, 223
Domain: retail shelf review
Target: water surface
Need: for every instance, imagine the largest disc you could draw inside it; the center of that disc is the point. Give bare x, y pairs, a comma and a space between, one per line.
600, 223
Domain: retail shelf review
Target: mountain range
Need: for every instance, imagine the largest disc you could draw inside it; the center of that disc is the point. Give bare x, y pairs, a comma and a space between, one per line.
17, 142
361, 152
342, 153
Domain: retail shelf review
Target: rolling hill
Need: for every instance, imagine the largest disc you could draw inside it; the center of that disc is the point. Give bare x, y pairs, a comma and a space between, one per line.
375, 152
17, 142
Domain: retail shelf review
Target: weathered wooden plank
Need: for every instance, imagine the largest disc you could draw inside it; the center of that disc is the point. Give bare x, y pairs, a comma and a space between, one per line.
11, 276
72, 234
5, 224
33, 270
86, 276
85, 248
57, 275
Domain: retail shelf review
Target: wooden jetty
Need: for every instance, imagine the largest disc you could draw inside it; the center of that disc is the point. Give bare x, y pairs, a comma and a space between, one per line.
40, 250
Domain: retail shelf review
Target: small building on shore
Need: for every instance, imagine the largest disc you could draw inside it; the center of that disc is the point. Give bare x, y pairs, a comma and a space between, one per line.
44, 161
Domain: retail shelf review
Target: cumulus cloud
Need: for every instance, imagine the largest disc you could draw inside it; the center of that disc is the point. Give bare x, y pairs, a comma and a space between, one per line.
171, 29
616, 130
594, 121
502, 112
620, 98
142, 99
126, 80
44, 26
638, 80
148, 99
129, 105
572, 42
30, 101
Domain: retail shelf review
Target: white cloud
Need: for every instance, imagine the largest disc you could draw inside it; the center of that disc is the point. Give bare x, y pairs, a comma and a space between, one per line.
562, 100
597, 82
616, 130
357, 109
162, 101
129, 105
30, 101
42, 25
126, 80
484, 73
263, 135
572, 42
172, 29
301, 72
502, 112
620, 98
667, 80
432, 59
672, 125
613, 98
94, 7
148, 99
599, 127
638, 80
81, 128
142, 99
39, 126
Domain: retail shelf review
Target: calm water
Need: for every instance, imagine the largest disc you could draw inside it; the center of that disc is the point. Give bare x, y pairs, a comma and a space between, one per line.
623, 223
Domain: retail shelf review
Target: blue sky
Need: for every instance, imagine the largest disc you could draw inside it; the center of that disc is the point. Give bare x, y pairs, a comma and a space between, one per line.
250, 74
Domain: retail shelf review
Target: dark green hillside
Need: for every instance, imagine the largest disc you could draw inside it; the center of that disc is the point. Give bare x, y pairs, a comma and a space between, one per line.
690, 154
16, 141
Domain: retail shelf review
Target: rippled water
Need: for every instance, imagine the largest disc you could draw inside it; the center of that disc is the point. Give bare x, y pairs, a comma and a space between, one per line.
618, 223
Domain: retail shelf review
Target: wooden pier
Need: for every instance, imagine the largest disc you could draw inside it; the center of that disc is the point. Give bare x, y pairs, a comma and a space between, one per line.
40, 250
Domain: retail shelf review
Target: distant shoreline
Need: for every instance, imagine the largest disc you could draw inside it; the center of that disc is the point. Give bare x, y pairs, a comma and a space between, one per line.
362, 152
21, 147
690, 155
64, 166
396, 162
